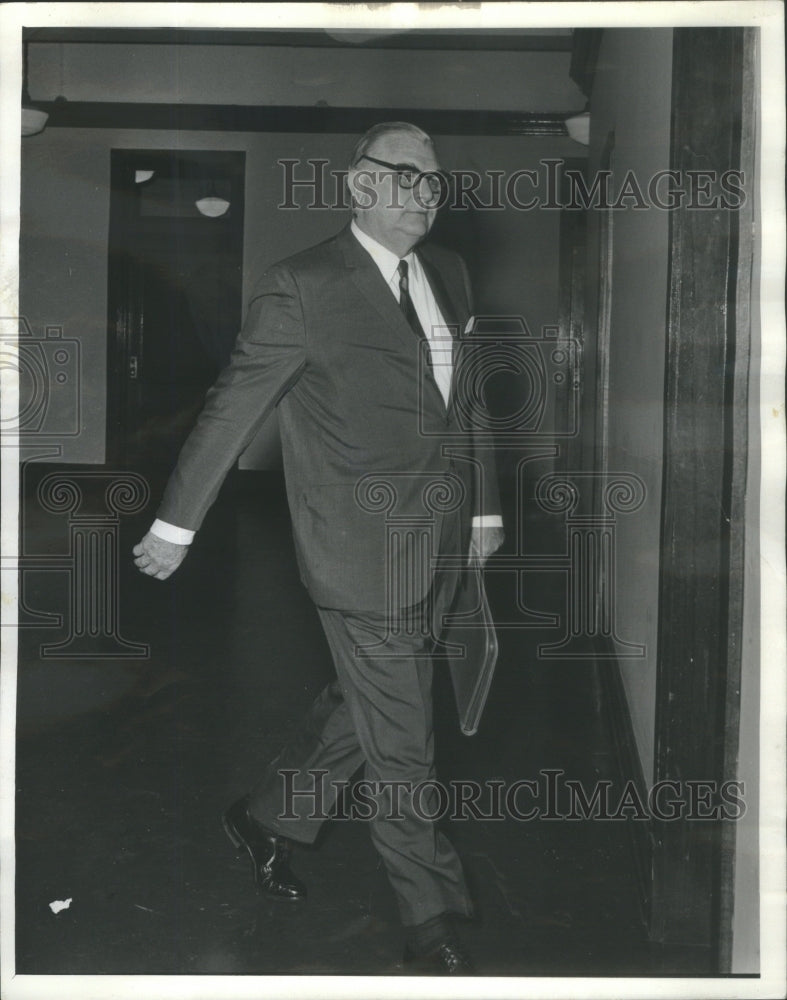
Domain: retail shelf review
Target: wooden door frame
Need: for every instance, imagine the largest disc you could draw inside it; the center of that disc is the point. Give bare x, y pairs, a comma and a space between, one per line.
703, 502
606, 230
571, 310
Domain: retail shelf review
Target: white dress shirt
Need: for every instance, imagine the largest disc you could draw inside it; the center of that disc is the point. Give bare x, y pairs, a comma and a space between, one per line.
432, 321
434, 326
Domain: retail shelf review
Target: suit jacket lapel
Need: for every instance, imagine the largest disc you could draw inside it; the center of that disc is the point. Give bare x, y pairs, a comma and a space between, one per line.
366, 277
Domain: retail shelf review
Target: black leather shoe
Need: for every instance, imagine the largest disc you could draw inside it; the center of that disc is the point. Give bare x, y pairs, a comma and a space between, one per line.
269, 853
446, 959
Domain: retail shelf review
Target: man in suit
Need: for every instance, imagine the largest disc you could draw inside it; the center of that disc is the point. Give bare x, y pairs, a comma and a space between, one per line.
356, 342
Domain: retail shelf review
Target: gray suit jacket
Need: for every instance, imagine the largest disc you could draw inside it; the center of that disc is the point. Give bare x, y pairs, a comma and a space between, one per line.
373, 458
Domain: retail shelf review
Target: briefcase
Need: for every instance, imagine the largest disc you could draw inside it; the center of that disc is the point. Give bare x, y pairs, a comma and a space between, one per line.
470, 635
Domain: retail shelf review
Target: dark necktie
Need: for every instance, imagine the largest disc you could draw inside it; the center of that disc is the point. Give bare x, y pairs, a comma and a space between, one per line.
405, 302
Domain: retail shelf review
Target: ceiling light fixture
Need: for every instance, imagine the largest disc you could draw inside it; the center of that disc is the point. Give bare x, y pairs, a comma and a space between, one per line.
211, 205
34, 119
578, 127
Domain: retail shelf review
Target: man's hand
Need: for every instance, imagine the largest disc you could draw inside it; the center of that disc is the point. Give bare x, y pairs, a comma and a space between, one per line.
158, 558
485, 541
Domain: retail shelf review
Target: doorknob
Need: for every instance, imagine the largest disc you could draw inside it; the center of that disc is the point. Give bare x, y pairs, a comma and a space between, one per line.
133, 367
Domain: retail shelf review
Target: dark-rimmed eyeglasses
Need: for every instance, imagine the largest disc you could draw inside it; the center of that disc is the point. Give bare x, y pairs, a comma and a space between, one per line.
409, 176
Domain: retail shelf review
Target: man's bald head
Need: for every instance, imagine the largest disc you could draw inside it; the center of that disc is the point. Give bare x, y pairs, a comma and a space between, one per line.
377, 133
390, 176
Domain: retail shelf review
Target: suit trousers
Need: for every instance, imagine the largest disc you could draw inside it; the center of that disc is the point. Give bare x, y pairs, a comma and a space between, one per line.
376, 715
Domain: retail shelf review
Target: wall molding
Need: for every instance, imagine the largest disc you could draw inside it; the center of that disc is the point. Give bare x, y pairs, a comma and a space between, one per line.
296, 118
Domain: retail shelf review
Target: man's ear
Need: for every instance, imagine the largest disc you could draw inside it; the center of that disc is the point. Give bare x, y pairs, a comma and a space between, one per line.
360, 184
349, 182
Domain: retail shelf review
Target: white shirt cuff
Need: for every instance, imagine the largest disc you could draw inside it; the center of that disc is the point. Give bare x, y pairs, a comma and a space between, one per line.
184, 536
488, 521
170, 533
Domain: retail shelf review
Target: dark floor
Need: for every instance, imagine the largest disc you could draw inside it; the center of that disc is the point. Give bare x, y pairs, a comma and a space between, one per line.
124, 767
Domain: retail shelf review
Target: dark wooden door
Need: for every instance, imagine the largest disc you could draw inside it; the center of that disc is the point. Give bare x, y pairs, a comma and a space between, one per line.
175, 290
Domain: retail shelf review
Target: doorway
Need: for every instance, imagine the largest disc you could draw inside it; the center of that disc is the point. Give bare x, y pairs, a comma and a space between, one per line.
175, 295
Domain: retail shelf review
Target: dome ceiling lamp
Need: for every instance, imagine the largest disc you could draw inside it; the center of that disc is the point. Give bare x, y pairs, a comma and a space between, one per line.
212, 205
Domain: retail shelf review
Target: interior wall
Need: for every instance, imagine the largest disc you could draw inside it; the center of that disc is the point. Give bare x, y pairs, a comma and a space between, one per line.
632, 95
513, 254
294, 75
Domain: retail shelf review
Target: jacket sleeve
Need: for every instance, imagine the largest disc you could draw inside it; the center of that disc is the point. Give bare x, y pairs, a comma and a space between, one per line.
268, 357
